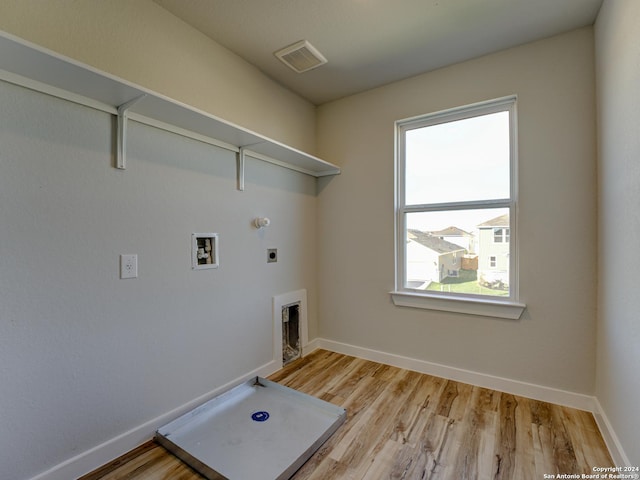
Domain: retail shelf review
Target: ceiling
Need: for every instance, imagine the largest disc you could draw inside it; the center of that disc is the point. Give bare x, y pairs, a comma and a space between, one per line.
369, 43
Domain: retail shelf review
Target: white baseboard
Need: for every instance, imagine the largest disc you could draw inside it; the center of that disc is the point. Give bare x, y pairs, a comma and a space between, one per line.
106, 452
115, 447
311, 346
514, 387
618, 454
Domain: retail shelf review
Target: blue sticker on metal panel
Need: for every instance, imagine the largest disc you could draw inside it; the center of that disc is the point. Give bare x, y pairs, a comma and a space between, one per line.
260, 416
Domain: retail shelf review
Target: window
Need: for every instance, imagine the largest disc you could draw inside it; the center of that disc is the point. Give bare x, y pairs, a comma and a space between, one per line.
500, 235
456, 196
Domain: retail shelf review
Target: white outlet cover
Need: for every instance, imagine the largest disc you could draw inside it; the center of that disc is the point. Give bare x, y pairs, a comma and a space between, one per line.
129, 266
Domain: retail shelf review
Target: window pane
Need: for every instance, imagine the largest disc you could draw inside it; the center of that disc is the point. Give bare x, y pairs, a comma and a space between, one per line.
454, 251
463, 160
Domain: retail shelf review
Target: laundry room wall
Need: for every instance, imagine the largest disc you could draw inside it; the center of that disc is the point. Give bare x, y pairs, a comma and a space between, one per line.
91, 363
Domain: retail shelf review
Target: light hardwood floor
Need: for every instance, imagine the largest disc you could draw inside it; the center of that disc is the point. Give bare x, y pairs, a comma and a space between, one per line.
406, 425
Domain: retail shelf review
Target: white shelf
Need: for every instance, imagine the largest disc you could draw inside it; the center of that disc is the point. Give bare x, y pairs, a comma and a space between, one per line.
34, 67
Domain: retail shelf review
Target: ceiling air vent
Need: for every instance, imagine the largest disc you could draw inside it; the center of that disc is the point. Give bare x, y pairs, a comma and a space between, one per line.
301, 56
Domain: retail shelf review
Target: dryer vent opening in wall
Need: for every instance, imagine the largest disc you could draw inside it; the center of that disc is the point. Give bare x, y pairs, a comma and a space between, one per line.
291, 348
290, 326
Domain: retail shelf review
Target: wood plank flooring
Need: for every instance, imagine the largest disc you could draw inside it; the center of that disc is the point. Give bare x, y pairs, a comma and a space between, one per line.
406, 425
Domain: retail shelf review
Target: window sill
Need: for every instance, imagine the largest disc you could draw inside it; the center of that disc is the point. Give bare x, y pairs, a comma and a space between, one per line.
469, 306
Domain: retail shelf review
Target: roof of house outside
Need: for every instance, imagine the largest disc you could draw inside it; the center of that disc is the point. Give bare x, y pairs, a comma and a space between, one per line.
501, 221
451, 232
433, 243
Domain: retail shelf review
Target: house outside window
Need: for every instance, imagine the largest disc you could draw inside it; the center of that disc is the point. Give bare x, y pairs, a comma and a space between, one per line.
456, 197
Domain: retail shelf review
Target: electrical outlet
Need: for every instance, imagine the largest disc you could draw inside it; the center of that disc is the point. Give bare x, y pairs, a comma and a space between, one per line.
128, 266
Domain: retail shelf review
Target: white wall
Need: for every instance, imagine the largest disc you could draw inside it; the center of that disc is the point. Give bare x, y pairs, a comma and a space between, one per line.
145, 44
554, 343
85, 357
618, 76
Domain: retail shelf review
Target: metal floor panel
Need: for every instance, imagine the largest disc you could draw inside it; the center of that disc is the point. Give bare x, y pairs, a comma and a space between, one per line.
259, 430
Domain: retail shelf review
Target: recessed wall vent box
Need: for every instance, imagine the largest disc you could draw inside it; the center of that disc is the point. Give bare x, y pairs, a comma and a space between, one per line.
259, 430
204, 250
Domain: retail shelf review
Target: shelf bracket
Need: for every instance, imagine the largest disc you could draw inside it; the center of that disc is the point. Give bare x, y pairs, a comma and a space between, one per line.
240, 169
121, 144
242, 155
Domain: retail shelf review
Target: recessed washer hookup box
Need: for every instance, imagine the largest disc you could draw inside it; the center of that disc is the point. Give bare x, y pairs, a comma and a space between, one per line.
259, 430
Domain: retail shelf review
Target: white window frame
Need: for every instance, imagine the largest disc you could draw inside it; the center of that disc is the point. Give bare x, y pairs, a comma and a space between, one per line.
485, 305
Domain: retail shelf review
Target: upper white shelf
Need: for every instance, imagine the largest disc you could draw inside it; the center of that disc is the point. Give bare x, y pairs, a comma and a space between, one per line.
34, 67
